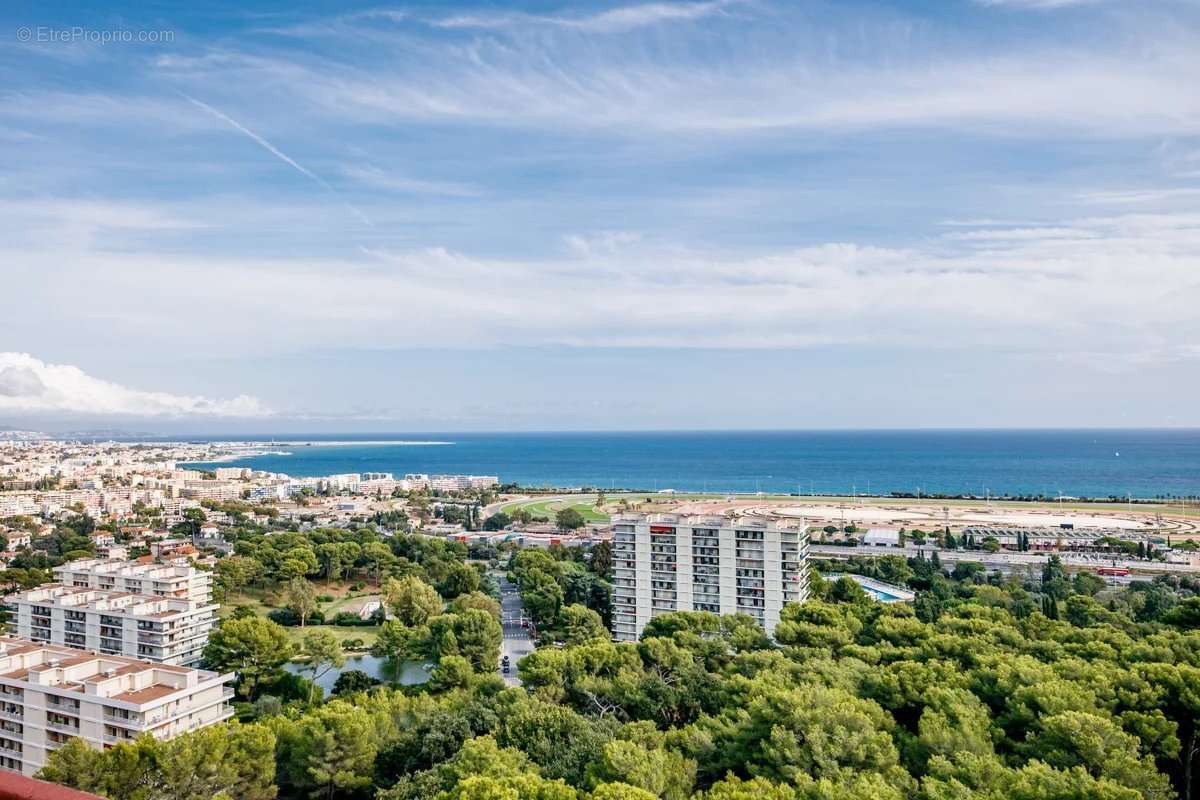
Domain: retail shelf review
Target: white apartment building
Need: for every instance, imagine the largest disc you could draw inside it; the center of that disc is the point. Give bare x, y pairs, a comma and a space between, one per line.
17, 540
279, 491
671, 562
222, 491
25, 504
164, 630
49, 695
231, 473
341, 483
414, 480
165, 580
457, 482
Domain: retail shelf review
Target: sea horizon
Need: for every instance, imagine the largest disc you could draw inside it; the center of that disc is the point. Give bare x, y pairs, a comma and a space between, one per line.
1141, 463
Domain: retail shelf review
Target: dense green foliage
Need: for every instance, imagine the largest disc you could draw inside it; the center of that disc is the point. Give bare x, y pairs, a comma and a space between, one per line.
558, 586
335, 554
972, 693
68, 538
229, 761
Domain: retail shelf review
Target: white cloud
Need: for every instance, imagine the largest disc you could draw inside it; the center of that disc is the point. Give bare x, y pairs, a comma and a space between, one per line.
373, 176
93, 215
799, 77
604, 243
1134, 196
784, 73
28, 385
612, 20
984, 223
1037, 4
1014, 233
337, 25
83, 223
540, 85
1125, 283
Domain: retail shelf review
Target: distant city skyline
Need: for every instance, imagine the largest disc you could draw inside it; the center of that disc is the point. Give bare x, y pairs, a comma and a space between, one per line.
717, 214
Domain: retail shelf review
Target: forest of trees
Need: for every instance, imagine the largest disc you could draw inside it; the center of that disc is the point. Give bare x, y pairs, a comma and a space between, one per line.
1048, 687
361, 554
565, 590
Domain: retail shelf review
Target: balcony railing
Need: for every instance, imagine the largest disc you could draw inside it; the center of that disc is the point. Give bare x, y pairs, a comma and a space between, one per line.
54, 701
125, 722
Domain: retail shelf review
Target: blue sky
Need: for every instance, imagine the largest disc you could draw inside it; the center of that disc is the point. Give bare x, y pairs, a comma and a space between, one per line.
705, 214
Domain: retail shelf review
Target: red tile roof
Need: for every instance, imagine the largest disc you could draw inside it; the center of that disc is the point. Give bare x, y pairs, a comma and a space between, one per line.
18, 787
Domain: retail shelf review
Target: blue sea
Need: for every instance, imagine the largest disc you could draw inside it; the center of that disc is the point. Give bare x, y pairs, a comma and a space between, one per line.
1080, 463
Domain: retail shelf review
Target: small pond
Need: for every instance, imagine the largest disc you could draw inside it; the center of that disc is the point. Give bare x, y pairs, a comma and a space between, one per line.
410, 672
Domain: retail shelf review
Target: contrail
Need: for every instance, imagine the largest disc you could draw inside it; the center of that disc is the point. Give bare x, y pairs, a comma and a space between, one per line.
275, 151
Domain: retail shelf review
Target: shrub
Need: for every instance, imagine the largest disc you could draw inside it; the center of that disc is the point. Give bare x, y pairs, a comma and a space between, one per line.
290, 619
267, 706
353, 680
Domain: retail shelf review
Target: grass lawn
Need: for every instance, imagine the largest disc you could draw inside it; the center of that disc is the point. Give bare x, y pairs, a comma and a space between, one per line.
548, 507
352, 603
253, 601
343, 632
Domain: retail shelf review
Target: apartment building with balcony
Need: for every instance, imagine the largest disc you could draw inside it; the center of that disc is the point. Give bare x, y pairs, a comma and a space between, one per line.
166, 630
164, 580
50, 695
222, 491
672, 562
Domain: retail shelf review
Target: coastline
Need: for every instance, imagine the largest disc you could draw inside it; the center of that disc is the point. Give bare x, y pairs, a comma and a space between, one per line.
1076, 466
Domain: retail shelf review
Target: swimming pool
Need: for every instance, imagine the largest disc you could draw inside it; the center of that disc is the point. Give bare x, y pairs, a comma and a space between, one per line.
878, 590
